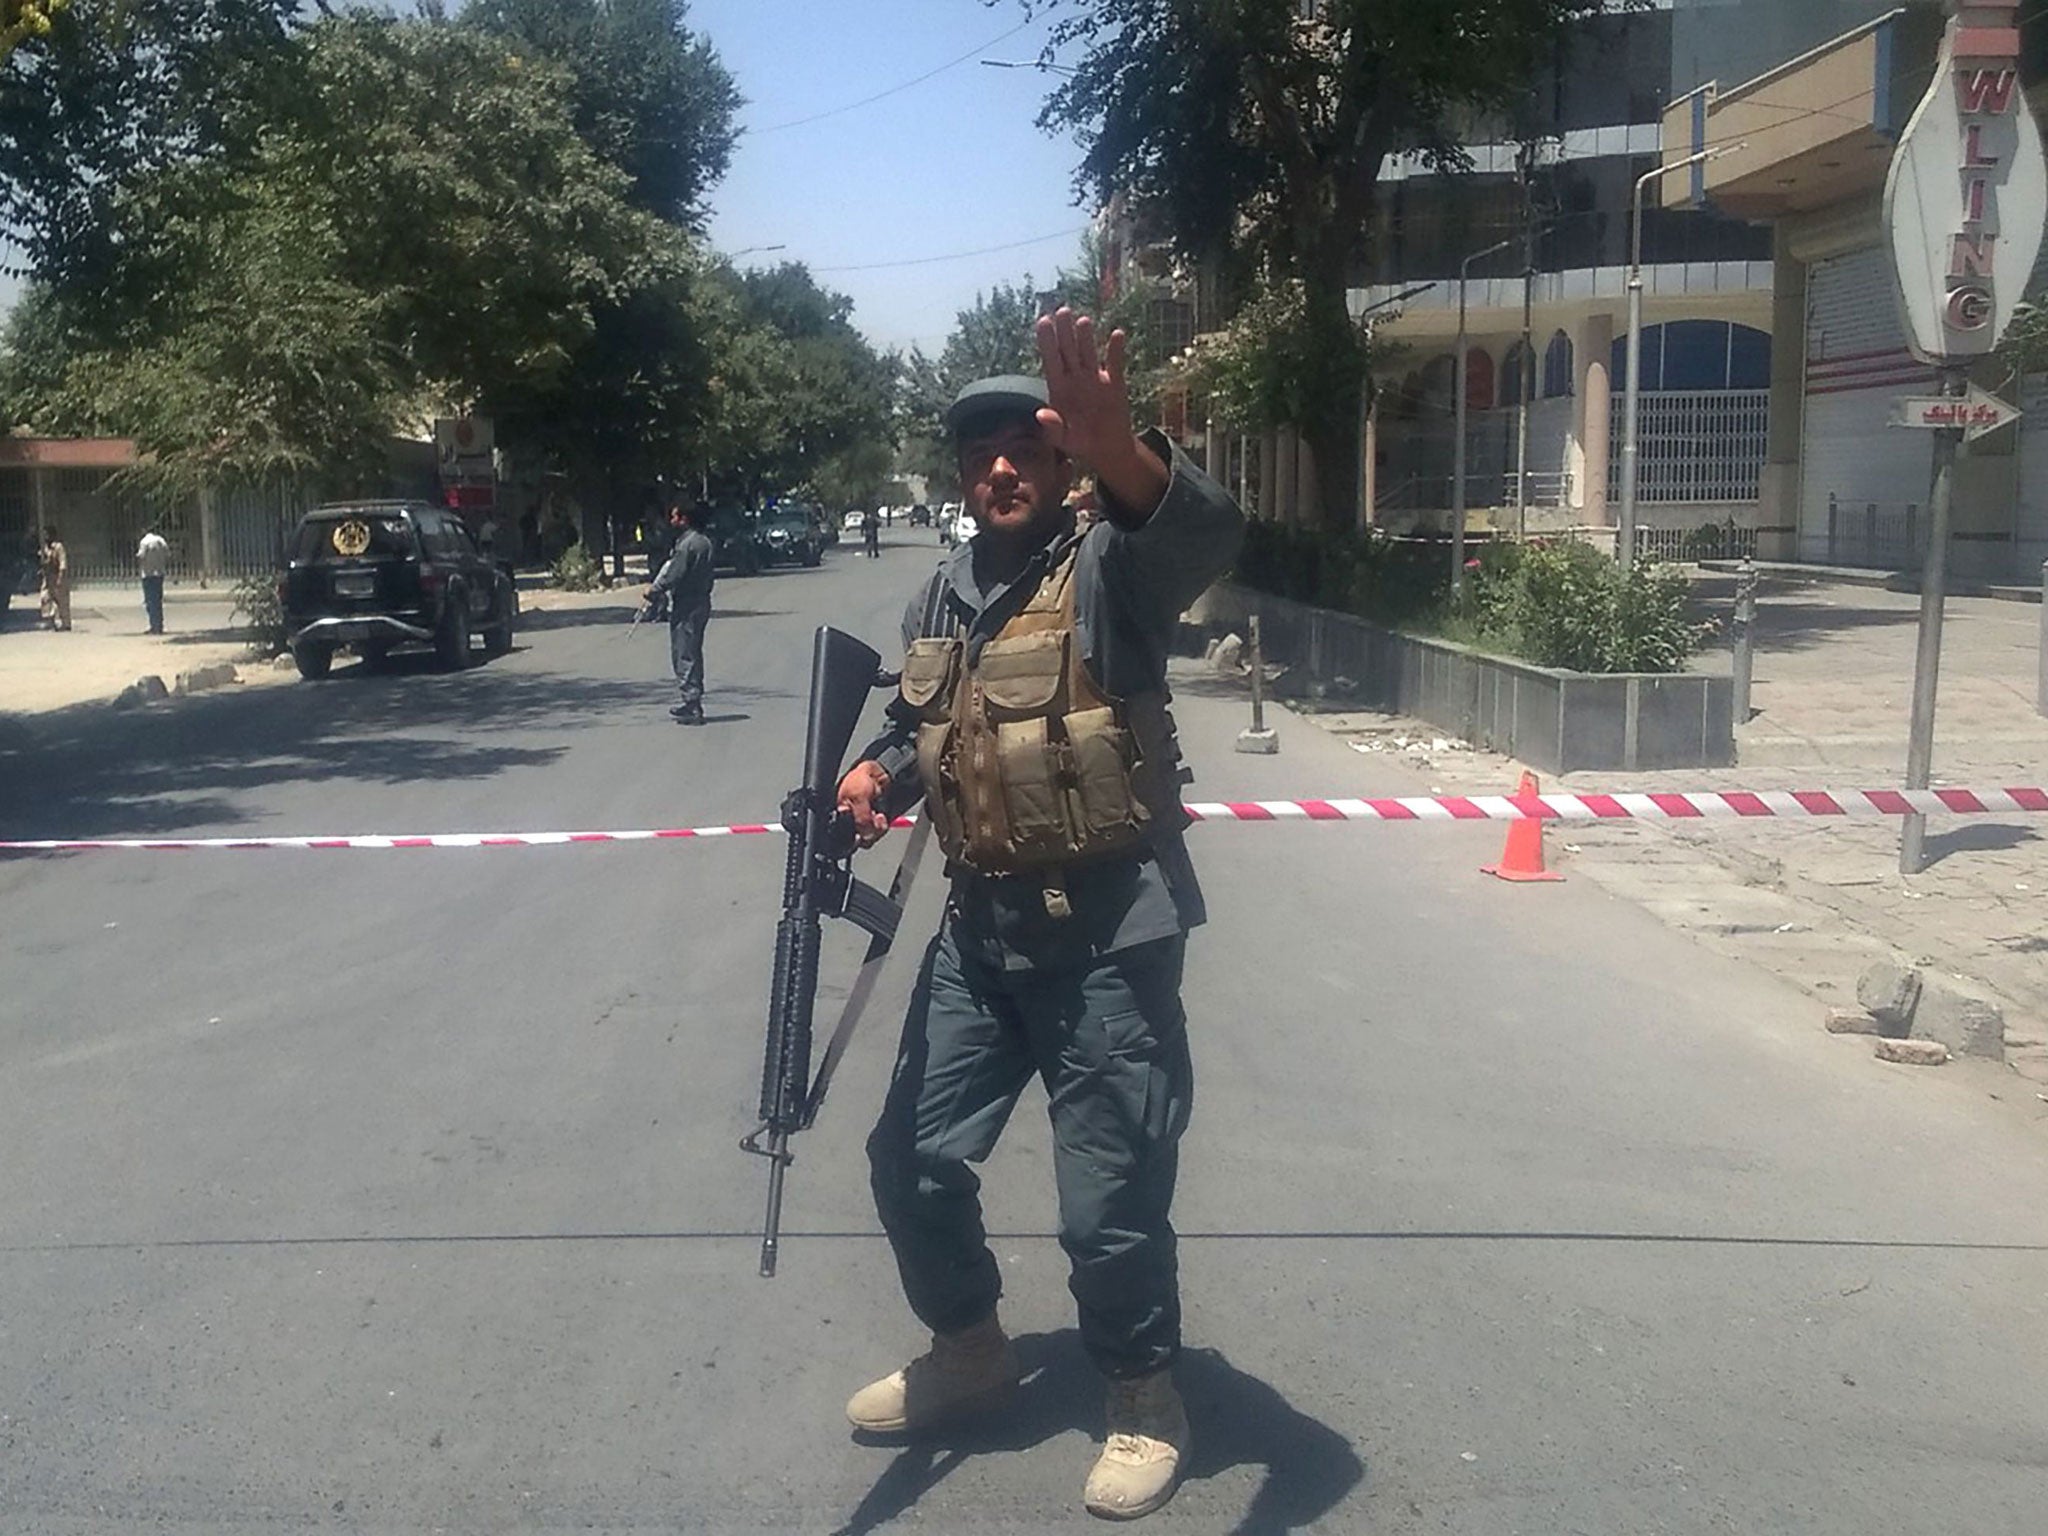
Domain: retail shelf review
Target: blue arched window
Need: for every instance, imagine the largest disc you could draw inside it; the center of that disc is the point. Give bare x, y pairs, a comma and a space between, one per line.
1699, 355
1557, 367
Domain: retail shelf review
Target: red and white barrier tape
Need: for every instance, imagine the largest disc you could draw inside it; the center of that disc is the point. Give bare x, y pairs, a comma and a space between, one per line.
1730, 804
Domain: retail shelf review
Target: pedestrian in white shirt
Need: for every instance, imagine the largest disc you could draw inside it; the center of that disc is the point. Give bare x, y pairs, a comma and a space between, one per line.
153, 558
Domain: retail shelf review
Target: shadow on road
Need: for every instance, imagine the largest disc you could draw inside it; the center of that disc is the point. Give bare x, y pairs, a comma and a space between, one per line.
1235, 1420
1976, 837
92, 771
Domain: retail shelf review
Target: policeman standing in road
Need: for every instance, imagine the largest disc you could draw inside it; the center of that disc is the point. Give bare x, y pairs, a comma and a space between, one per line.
1032, 721
684, 583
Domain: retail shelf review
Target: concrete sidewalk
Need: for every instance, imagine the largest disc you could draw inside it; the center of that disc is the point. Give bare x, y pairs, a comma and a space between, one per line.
109, 646
1818, 901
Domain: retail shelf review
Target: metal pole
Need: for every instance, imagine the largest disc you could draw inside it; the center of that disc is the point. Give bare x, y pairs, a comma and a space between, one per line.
1525, 385
1258, 678
1745, 638
1458, 447
2041, 688
1626, 531
1927, 663
1458, 451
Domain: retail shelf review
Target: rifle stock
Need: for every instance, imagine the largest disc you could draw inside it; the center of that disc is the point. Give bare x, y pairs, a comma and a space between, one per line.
817, 881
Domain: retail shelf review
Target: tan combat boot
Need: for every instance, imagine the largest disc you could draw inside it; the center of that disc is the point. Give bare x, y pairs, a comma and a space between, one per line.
966, 1372
1148, 1436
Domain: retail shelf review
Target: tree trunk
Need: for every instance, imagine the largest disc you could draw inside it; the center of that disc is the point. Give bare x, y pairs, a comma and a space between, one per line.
1331, 425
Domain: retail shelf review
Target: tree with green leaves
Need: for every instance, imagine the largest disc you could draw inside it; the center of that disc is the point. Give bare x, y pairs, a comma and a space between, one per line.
21, 20
1251, 134
800, 395
649, 96
116, 90
415, 225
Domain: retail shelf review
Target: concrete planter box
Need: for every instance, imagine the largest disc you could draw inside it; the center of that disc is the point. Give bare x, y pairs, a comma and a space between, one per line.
1559, 721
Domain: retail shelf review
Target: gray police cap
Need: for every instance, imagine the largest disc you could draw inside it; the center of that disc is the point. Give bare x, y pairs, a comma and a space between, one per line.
986, 400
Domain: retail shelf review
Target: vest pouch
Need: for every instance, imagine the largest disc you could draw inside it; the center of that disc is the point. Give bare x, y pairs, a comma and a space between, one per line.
1103, 764
941, 791
1033, 795
1021, 675
928, 667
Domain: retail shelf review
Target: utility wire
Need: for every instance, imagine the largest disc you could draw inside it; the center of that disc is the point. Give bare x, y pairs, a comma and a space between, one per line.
986, 250
866, 101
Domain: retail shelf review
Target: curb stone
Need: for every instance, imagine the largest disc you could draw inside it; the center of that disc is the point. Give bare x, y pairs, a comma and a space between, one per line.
146, 689
218, 675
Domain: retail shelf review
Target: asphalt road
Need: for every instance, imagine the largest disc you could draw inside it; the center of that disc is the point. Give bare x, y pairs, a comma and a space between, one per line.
399, 1191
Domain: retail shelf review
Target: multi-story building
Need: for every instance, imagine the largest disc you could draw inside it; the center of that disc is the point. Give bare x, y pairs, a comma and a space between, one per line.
1553, 193
1816, 93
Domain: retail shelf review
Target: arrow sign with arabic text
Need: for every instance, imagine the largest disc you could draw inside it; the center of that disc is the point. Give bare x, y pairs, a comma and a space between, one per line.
1977, 413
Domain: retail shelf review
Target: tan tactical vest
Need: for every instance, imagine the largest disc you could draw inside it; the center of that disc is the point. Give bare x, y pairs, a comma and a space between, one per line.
1027, 764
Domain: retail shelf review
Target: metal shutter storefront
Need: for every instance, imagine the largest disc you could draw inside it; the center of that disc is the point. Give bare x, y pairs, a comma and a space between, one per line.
1864, 483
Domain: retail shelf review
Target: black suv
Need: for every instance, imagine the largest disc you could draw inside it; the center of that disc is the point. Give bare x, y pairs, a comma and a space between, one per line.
736, 542
790, 534
379, 574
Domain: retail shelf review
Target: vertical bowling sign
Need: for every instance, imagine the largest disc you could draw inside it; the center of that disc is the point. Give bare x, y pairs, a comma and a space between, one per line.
1968, 191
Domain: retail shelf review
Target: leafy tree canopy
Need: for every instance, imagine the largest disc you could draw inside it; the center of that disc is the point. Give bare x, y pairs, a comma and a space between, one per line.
116, 89
1251, 133
416, 224
648, 95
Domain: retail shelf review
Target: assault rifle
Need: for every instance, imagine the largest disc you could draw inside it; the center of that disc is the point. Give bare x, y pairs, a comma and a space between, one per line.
819, 882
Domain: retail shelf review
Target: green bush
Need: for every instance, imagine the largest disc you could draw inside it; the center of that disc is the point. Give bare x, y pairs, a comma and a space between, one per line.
1568, 605
1560, 604
577, 570
256, 603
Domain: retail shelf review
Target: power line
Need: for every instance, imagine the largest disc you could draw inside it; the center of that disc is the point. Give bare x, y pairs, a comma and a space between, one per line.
986, 250
865, 101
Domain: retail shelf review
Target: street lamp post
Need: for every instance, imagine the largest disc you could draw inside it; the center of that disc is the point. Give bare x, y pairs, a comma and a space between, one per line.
1458, 447
1364, 445
1632, 397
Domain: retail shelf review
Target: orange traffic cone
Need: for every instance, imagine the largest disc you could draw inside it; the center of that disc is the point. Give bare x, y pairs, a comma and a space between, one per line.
1522, 859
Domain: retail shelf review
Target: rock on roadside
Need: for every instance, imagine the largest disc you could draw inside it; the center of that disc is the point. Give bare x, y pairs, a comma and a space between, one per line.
1890, 993
218, 675
146, 689
1913, 1053
1960, 1017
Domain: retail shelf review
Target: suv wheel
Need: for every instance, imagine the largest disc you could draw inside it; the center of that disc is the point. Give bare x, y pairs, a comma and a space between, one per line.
313, 659
451, 645
498, 638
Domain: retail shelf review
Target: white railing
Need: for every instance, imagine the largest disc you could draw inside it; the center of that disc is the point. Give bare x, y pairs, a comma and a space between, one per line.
1696, 445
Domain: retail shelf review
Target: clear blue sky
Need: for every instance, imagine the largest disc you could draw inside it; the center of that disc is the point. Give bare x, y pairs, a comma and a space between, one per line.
952, 164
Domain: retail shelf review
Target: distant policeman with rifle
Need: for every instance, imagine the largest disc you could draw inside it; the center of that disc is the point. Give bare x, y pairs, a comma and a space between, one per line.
1031, 720
682, 589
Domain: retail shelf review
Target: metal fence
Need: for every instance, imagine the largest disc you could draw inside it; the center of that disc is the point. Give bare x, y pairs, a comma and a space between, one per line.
1696, 445
1486, 489
1878, 535
1709, 541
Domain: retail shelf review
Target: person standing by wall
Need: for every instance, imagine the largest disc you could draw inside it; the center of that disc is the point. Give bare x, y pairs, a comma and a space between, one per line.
685, 582
153, 559
56, 563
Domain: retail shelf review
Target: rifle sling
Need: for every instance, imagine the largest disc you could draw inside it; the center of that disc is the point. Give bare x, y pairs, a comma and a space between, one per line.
880, 940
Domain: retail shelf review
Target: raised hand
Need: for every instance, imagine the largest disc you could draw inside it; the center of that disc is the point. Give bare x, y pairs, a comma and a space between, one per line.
1088, 416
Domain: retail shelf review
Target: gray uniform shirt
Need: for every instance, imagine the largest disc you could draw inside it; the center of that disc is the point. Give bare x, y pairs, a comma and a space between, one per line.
1132, 582
686, 575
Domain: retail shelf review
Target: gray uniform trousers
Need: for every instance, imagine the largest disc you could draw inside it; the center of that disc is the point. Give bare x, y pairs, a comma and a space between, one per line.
686, 654
1108, 1038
